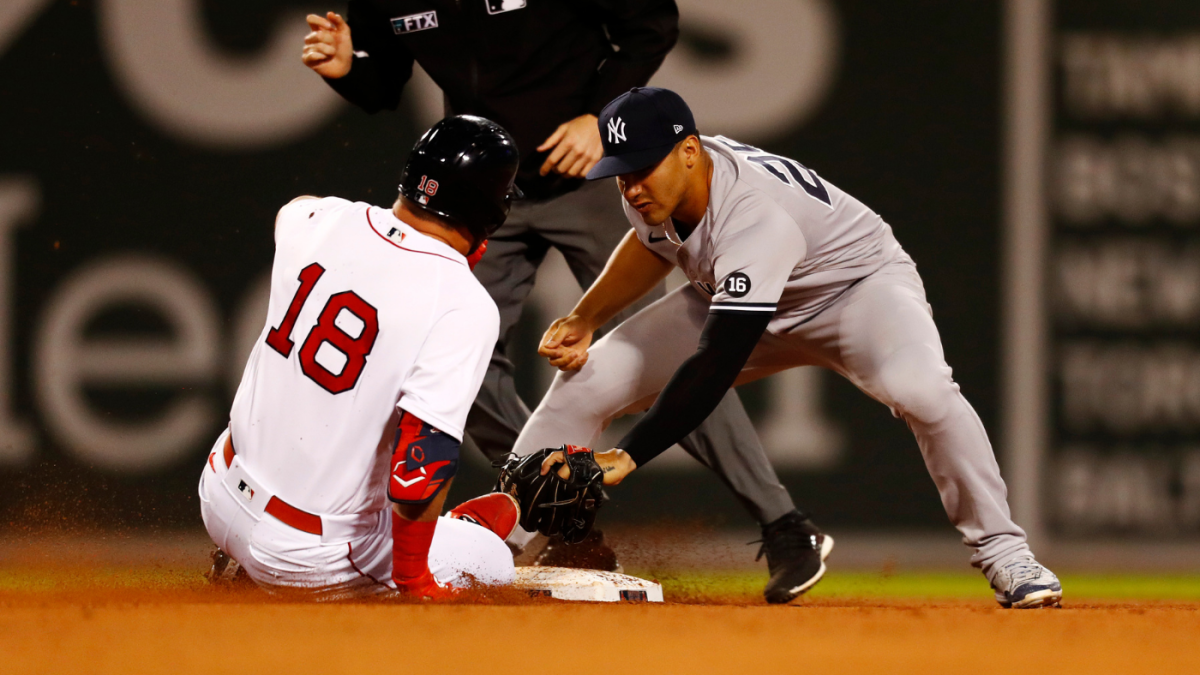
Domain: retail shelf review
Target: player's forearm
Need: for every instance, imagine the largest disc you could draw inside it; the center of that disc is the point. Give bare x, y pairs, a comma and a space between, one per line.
632, 271
427, 511
698, 386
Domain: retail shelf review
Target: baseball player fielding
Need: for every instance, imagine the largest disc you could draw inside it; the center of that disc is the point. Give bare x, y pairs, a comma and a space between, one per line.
785, 270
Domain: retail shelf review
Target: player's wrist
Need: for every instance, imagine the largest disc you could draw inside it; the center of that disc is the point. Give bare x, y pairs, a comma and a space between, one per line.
615, 464
583, 319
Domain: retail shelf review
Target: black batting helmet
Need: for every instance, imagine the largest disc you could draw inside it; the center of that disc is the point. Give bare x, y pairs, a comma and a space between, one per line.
462, 169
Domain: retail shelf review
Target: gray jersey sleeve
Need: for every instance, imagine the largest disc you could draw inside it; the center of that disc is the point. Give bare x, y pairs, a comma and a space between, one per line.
754, 257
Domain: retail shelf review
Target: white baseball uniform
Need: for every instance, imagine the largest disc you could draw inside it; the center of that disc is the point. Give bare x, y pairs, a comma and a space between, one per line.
367, 317
843, 295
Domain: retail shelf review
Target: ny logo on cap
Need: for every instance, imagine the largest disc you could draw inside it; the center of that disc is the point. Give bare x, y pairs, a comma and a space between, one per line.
616, 130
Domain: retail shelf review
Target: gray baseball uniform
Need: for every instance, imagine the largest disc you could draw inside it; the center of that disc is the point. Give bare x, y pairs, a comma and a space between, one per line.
586, 225
843, 294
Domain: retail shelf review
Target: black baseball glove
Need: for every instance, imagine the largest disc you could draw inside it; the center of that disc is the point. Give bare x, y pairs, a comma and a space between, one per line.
549, 504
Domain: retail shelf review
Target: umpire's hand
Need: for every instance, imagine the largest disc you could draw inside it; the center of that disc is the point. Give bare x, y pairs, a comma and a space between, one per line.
327, 49
576, 147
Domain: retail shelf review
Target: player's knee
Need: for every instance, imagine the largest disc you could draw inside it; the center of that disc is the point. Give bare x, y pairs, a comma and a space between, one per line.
916, 384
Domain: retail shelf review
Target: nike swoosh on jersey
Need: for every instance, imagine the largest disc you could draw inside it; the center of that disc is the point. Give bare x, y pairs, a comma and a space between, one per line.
655, 240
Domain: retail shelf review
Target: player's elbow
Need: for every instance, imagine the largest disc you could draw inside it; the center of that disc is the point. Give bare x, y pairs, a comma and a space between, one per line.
297, 199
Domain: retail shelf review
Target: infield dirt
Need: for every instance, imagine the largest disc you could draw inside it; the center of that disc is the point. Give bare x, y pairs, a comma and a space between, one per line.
129, 607
134, 630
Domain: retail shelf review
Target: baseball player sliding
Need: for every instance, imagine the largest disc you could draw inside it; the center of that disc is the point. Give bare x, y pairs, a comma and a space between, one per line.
786, 270
376, 341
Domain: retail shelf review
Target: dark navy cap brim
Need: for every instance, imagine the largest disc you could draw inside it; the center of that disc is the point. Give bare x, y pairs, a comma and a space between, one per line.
629, 162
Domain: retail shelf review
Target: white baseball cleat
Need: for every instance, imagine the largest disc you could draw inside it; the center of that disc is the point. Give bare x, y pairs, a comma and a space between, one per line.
1024, 583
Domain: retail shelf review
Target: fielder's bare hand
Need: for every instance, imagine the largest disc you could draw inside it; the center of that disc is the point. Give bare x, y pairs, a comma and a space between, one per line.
615, 464
577, 147
327, 49
566, 342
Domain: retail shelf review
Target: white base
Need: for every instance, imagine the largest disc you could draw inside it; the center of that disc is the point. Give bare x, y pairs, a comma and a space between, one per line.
562, 583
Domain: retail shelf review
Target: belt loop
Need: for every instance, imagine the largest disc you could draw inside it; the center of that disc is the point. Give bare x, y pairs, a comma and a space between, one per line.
229, 453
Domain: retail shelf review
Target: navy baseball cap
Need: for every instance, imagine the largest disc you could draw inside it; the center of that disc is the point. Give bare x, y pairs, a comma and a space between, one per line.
639, 128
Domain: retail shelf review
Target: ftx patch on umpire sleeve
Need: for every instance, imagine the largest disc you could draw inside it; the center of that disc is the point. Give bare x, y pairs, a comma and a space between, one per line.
423, 461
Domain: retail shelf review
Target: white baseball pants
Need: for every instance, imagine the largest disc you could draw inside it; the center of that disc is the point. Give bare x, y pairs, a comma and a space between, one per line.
879, 335
279, 557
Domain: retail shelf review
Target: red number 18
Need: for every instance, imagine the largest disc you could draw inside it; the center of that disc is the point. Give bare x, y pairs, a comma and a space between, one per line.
326, 331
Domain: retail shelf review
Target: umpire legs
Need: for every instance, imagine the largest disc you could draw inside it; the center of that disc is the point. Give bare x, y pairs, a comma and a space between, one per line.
586, 225
507, 271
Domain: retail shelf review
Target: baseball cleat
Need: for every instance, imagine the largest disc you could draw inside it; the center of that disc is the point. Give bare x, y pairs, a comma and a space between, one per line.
225, 570
590, 554
1023, 583
427, 588
497, 512
796, 550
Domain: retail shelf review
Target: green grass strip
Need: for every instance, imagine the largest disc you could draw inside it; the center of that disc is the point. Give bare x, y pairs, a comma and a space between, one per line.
933, 585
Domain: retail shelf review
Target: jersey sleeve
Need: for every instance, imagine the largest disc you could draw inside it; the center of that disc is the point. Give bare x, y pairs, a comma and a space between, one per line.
753, 262
444, 380
296, 219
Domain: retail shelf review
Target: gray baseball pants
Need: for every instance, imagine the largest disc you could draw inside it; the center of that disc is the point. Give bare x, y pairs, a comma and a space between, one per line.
586, 225
879, 334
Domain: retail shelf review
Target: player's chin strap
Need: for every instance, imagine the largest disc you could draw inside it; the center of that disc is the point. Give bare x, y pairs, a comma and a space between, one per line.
423, 461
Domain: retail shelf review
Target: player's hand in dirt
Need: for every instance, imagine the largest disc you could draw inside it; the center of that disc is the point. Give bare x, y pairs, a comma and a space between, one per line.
327, 49
566, 342
615, 464
576, 147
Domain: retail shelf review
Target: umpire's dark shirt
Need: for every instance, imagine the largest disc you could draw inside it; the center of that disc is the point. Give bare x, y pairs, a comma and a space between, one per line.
529, 69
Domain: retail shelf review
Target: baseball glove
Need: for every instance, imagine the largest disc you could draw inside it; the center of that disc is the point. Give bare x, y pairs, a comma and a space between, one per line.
549, 504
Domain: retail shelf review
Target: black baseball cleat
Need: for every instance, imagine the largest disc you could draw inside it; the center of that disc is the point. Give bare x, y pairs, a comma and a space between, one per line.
590, 554
796, 550
226, 570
